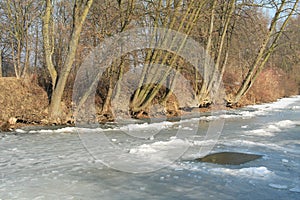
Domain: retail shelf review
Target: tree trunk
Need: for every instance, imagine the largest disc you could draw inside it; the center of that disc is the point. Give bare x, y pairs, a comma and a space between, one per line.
19, 49
80, 12
14, 59
36, 49
48, 42
201, 94
107, 101
1, 64
27, 55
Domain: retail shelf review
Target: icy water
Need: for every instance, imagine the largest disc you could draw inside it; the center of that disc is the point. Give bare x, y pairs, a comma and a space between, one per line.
44, 163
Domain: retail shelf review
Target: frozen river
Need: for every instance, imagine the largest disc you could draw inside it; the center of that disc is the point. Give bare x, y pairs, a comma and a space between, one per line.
62, 163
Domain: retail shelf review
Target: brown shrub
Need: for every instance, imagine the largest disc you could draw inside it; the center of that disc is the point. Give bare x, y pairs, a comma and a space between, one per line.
272, 84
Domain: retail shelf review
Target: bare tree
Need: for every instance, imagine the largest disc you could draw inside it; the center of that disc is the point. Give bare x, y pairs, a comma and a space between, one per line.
19, 17
59, 80
189, 15
125, 12
217, 48
284, 10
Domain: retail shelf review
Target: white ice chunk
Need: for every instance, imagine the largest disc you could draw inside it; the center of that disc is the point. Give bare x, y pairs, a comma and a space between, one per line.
295, 189
260, 132
20, 131
146, 126
245, 126
251, 172
278, 186
66, 130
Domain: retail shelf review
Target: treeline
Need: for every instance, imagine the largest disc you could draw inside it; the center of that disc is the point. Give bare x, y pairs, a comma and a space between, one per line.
50, 39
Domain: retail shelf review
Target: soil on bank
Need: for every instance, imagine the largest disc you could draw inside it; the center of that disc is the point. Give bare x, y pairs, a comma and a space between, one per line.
21, 101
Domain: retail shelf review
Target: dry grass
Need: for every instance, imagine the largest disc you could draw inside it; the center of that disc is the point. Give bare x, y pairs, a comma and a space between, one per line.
21, 99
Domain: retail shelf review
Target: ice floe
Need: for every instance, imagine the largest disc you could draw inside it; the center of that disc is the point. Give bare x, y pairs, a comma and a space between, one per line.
272, 128
278, 186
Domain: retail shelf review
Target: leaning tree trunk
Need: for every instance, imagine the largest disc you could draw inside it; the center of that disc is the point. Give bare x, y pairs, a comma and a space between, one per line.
144, 95
202, 92
213, 75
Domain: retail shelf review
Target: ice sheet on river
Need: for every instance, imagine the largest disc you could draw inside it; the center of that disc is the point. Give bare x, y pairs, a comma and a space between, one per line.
52, 163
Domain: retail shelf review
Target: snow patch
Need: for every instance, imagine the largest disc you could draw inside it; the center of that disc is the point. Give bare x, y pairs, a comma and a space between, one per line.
295, 189
295, 108
271, 129
251, 172
160, 146
66, 130
153, 126
187, 128
244, 127
251, 114
278, 186
229, 116
279, 104
287, 124
259, 132
50, 131
20, 131
203, 142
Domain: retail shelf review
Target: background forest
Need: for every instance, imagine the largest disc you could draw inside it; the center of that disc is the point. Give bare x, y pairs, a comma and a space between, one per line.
254, 45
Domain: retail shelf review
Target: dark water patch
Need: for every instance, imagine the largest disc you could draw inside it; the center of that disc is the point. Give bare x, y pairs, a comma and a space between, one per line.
229, 158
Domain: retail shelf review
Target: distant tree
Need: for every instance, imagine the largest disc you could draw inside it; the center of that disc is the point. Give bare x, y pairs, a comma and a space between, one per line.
287, 54
18, 18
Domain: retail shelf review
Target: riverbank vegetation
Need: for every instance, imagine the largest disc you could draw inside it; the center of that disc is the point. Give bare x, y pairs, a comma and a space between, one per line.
253, 49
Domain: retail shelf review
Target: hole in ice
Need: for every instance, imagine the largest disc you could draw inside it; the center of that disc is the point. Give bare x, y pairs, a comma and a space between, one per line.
229, 158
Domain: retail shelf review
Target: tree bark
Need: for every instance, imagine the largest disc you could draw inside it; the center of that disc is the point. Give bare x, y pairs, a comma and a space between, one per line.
48, 42
107, 101
24, 71
1, 64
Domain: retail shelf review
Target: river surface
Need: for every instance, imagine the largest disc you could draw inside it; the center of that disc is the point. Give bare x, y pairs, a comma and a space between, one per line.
139, 160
